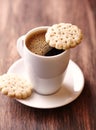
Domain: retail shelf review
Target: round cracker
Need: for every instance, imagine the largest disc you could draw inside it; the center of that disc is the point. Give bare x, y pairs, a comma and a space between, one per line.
63, 36
15, 86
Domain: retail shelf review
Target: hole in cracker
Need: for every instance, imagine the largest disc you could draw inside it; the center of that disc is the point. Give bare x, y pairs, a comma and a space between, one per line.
59, 30
58, 26
54, 32
64, 27
69, 26
63, 33
52, 29
22, 90
56, 41
22, 87
13, 90
75, 31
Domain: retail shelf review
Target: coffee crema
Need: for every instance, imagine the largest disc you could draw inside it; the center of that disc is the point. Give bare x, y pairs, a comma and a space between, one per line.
36, 43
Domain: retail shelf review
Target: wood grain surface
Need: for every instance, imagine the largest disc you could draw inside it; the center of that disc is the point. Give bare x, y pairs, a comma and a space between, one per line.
19, 16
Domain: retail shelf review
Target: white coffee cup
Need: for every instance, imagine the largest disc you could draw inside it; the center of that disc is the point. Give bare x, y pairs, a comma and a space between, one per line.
45, 72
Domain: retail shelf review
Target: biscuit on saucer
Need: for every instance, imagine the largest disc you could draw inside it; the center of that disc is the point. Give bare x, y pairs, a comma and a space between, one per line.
15, 86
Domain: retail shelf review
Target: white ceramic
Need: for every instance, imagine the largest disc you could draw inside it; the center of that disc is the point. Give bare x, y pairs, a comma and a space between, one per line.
72, 87
45, 72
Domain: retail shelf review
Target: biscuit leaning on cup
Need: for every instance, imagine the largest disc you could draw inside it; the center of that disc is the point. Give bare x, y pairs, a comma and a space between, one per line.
63, 36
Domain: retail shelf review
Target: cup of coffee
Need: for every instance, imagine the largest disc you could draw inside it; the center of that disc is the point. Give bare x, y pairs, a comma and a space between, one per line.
45, 66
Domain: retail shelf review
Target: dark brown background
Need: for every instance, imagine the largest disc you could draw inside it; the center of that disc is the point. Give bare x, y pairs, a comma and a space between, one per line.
19, 16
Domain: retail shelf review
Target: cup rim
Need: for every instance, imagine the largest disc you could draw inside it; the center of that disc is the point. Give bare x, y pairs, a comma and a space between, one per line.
36, 55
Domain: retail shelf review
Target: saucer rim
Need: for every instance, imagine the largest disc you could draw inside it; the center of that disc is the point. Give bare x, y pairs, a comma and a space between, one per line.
54, 106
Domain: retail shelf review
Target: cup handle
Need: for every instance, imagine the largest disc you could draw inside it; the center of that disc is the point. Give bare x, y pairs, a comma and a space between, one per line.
20, 45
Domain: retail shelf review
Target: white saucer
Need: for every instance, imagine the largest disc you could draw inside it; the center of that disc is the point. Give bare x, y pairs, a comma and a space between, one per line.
73, 86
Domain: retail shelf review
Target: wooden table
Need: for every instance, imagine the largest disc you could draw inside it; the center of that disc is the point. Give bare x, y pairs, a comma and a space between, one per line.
19, 16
